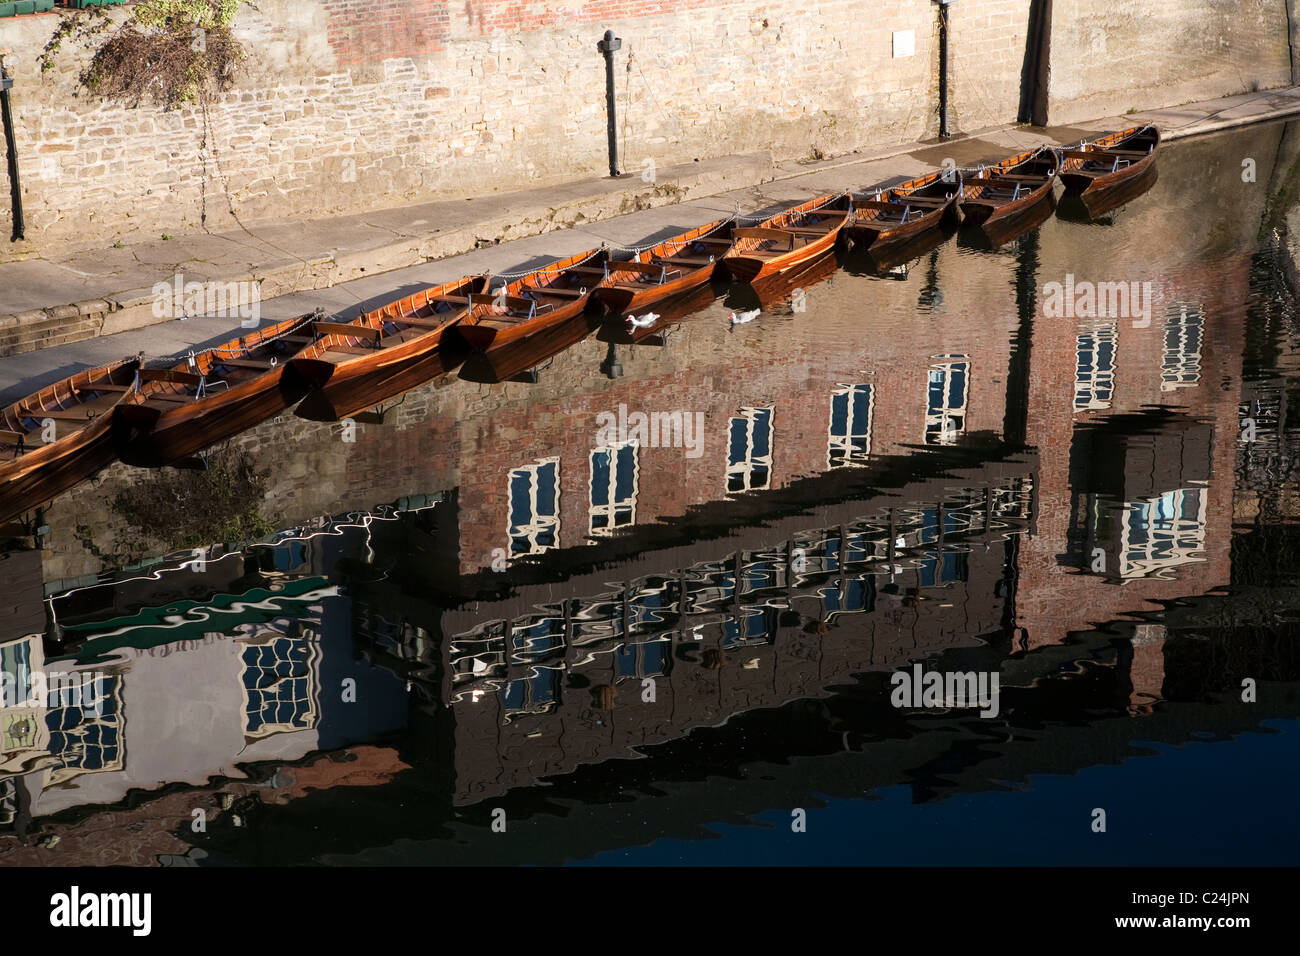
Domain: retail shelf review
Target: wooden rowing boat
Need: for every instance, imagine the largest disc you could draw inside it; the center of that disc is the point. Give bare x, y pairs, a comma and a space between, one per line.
667, 269
211, 395
1109, 160
521, 354
884, 260
341, 400
529, 305
899, 213
1097, 206
1001, 232
59, 436
1009, 187
381, 342
788, 239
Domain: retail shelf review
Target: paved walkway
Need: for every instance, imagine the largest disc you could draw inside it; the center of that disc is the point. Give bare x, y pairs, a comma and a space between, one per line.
394, 235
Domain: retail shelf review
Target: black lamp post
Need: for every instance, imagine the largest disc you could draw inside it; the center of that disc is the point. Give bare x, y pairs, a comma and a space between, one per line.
607, 46
944, 132
11, 150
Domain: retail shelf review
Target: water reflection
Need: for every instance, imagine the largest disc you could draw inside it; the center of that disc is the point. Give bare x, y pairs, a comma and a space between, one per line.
588, 598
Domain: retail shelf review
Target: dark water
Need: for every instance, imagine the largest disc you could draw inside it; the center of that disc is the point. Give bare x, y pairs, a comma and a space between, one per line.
487, 606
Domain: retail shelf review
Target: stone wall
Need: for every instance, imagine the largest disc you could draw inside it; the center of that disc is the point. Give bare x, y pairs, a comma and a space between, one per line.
1110, 56
348, 105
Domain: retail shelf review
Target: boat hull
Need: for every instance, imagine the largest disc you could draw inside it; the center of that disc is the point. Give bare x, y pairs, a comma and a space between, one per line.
1079, 182
486, 338
347, 397
621, 300
147, 436
752, 269
53, 469
521, 354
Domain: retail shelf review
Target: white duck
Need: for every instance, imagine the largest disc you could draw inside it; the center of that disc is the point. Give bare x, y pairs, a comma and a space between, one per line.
645, 321
740, 318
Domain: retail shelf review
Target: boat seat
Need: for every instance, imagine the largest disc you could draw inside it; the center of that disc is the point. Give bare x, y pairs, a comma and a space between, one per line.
12, 438
348, 329
559, 293
765, 232
452, 299
247, 363
589, 270
920, 201
176, 399
67, 414
418, 323
686, 261
169, 375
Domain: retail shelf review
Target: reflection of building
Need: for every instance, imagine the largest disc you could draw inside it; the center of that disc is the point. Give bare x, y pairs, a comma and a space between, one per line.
554, 672
1140, 500
189, 690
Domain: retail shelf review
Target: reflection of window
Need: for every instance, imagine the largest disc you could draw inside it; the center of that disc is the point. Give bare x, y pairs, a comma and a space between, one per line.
945, 413
535, 694
1094, 376
1181, 366
16, 673
613, 488
937, 569
647, 659
749, 450
279, 686
535, 507
859, 594
8, 801
1162, 532
755, 625
85, 724
850, 428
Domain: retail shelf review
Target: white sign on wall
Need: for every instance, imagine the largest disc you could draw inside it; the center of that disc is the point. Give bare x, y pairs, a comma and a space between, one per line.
904, 43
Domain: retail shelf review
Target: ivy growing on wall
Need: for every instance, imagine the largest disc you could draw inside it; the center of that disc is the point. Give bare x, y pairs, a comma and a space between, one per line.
167, 52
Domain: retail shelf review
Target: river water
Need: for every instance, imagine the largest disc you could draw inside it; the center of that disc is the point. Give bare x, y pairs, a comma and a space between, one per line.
502, 623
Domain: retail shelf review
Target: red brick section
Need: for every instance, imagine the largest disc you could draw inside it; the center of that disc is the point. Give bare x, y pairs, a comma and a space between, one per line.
370, 31
780, 371
1055, 599
514, 16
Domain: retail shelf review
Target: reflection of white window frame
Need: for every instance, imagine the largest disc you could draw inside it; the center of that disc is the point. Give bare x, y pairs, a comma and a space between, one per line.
64, 771
616, 512
1181, 364
310, 714
1094, 382
950, 416
853, 446
540, 524
744, 468
1184, 540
